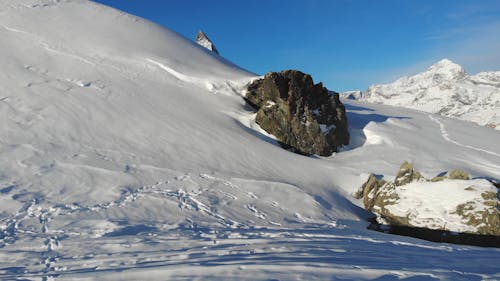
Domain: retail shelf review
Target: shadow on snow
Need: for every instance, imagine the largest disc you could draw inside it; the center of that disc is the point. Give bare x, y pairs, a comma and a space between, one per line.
358, 118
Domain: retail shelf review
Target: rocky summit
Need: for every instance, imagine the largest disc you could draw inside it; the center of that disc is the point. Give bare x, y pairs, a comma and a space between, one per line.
203, 40
305, 117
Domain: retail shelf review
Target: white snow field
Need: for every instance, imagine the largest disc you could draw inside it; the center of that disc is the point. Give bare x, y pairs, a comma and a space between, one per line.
128, 153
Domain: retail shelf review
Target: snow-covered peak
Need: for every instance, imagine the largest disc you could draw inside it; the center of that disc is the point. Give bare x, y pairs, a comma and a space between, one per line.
447, 89
75, 28
203, 40
445, 63
441, 74
447, 70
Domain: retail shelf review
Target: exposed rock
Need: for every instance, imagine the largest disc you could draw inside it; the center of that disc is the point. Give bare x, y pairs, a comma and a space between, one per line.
452, 202
453, 175
438, 178
458, 175
203, 40
369, 188
487, 221
407, 174
302, 115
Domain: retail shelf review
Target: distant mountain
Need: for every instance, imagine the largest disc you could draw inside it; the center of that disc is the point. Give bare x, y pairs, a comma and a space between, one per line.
203, 40
445, 88
352, 95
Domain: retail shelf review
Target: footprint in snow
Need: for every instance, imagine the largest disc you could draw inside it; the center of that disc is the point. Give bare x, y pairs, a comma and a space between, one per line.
84, 84
182, 178
253, 196
256, 212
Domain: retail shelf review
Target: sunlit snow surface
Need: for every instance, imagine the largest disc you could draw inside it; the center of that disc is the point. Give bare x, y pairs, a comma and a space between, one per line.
127, 153
445, 89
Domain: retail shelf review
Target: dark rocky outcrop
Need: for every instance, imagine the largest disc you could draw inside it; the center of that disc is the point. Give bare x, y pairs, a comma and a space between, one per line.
474, 212
203, 40
305, 117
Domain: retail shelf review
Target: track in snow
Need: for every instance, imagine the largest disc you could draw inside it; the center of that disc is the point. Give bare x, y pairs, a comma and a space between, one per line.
446, 136
264, 253
35, 228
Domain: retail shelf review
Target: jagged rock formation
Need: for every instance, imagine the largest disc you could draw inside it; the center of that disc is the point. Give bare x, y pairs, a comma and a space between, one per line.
203, 40
305, 117
451, 202
445, 88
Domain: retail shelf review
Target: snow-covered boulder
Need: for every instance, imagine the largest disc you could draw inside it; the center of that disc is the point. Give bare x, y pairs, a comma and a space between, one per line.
451, 202
203, 40
445, 88
302, 115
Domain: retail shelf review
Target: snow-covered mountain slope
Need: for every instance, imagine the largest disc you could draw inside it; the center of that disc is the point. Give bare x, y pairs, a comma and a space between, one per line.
127, 153
446, 89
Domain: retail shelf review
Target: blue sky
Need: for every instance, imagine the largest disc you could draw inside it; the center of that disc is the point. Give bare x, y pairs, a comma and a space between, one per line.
345, 44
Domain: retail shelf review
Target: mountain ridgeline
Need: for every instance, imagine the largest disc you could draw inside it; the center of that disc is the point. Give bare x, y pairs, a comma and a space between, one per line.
446, 89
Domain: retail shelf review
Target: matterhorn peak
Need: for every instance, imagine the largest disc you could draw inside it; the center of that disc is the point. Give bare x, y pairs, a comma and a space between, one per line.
448, 68
203, 40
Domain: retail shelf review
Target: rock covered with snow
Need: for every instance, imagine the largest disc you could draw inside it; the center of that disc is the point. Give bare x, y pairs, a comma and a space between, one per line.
451, 202
203, 40
302, 115
445, 88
